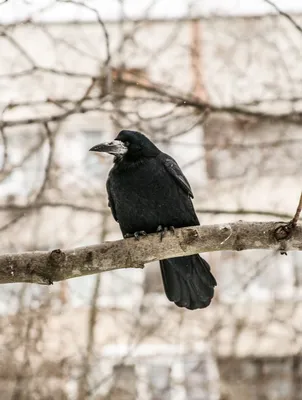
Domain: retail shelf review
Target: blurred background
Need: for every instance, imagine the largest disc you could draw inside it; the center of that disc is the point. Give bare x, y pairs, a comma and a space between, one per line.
215, 83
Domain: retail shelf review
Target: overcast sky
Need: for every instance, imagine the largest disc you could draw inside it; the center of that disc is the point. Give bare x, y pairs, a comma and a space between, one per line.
111, 9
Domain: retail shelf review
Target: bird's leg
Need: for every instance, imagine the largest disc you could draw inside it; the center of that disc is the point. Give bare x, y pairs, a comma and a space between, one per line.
136, 235
163, 230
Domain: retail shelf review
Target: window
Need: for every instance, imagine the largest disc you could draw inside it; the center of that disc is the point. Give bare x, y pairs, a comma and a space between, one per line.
94, 164
297, 266
161, 372
124, 379
159, 381
154, 299
153, 280
255, 274
242, 147
223, 154
27, 152
124, 78
122, 289
78, 166
200, 378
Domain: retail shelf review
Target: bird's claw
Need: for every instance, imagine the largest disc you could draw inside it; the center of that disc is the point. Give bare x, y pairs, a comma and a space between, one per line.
163, 230
136, 235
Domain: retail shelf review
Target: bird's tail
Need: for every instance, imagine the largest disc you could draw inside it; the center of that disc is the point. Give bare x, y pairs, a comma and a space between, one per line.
188, 281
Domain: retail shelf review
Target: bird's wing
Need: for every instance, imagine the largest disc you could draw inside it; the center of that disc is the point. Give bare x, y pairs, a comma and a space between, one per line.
173, 168
110, 199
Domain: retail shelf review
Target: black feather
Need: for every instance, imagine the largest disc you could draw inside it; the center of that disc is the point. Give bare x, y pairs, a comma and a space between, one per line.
188, 281
146, 188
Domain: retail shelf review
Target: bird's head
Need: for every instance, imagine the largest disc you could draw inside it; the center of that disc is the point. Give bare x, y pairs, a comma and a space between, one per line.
128, 145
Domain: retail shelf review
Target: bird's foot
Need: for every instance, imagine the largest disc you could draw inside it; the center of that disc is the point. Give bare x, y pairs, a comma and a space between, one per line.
162, 230
136, 235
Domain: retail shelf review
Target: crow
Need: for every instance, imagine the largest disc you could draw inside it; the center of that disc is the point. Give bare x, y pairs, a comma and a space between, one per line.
148, 193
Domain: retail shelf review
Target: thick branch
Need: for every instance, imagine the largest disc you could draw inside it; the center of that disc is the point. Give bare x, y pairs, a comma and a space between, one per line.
58, 265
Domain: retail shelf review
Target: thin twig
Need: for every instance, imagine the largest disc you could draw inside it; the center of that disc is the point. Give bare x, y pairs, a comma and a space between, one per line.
101, 23
17, 45
285, 15
281, 215
5, 152
298, 212
48, 163
285, 231
34, 149
83, 208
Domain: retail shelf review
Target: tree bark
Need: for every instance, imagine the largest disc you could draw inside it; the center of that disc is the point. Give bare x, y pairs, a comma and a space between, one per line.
57, 265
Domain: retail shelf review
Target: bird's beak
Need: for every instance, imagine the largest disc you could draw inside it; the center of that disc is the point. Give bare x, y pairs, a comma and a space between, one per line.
116, 148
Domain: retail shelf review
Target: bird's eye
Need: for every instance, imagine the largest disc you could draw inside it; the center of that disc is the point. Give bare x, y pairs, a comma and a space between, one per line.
126, 144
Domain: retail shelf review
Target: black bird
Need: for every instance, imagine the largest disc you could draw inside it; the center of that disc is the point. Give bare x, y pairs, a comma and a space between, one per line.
148, 193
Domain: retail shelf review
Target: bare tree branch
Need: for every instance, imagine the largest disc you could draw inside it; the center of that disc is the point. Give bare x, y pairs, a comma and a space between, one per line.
242, 211
284, 14
48, 163
31, 151
100, 22
95, 210
47, 267
5, 153
298, 212
18, 46
285, 231
179, 99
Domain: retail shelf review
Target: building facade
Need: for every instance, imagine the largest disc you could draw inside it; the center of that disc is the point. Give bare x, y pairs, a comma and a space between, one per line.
67, 86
